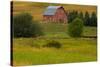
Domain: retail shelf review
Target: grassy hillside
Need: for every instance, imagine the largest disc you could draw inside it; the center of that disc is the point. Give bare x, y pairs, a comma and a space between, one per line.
37, 9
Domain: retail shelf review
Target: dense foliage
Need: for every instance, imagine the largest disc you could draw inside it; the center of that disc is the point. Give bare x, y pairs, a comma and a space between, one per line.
88, 19
75, 28
93, 19
24, 26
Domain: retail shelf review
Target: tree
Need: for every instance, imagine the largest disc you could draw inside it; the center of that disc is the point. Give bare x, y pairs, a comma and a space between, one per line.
81, 16
75, 28
93, 19
87, 19
72, 15
24, 26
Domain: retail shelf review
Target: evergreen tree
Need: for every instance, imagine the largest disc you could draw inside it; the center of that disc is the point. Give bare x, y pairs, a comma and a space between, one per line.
72, 15
87, 19
81, 16
93, 19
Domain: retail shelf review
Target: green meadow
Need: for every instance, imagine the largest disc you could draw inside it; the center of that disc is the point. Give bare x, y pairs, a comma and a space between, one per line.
72, 49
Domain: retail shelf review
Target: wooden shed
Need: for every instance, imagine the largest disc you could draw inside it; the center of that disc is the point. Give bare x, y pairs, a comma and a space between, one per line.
55, 14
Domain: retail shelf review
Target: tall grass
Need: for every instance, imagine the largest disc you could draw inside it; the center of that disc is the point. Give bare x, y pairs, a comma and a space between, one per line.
72, 50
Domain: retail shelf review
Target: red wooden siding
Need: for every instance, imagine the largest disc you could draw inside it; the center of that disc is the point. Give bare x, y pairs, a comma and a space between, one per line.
59, 16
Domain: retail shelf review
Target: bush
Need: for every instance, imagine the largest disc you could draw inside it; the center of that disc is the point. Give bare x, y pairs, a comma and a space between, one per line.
24, 26
75, 28
36, 29
53, 43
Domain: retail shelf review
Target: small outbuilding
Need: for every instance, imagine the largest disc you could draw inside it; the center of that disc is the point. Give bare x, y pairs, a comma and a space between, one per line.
55, 14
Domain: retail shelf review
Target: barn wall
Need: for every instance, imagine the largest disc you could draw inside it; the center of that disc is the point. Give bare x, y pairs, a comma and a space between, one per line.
60, 16
48, 18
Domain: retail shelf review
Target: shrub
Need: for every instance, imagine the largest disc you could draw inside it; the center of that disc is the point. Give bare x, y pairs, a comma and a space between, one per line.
24, 26
36, 29
53, 43
75, 28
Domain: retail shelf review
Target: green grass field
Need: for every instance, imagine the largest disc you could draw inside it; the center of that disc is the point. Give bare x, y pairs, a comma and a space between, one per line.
72, 50
54, 28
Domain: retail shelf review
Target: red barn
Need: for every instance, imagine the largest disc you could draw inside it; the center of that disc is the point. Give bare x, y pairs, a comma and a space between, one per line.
55, 14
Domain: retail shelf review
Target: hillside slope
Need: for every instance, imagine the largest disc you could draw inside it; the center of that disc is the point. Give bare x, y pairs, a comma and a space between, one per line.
37, 9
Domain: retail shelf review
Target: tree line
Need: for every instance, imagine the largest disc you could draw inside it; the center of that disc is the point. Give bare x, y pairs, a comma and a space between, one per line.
87, 18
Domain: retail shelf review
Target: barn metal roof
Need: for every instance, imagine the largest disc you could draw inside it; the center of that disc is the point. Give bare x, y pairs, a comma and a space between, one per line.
51, 10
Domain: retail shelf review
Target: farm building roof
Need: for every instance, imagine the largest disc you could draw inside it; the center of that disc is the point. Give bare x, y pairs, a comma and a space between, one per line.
51, 10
